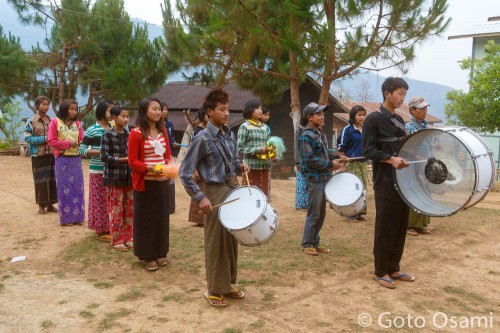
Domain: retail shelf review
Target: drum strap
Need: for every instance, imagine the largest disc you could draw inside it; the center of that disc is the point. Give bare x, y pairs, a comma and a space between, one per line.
223, 152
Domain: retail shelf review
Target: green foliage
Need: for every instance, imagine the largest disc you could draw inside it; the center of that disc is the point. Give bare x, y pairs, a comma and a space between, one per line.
94, 47
15, 65
480, 107
10, 120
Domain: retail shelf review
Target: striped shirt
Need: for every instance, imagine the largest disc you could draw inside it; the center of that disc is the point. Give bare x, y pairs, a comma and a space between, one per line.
92, 140
316, 161
251, 138
152, 158
204, 156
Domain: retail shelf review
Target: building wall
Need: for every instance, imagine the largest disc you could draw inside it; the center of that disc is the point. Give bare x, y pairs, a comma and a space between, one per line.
480, 44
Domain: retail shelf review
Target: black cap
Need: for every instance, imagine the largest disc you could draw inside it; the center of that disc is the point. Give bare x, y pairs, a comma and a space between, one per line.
313, 108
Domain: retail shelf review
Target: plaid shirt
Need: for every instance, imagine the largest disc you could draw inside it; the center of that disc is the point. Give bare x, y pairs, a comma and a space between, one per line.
316, 161
251, 138
114, 146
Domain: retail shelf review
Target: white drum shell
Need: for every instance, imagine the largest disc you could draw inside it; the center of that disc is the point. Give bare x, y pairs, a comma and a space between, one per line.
467, 158
346, 194
250, 219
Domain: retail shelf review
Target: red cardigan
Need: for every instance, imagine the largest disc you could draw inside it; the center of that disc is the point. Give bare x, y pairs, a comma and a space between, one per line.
136, 157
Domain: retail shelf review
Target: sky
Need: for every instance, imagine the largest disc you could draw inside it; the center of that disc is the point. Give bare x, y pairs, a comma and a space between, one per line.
437, 59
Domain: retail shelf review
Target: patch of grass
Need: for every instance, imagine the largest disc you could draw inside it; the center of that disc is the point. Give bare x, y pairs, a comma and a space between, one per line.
93, 306
88, 252
5, 277
494, 273
257, 324
249, 264
174, 296
268, 296
59, 274
162, 320
131, 295
321, 323
110, 318
62, 302
244, 282
31, 242
47, 324
103, 285
2, 287
232, 330
159, 305
86, 314
382, 304
464, 294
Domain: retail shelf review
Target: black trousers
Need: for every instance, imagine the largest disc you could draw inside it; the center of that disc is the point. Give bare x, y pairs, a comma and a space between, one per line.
391, 222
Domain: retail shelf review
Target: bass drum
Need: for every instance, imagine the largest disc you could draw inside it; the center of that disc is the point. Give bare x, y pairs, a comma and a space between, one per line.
470, 170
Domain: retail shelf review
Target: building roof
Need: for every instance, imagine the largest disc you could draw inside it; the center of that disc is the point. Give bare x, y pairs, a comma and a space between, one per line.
372, 107
481, 30
189, 96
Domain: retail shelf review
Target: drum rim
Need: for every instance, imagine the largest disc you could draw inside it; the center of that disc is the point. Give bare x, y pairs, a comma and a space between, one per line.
229, 193
338, 173
448, 130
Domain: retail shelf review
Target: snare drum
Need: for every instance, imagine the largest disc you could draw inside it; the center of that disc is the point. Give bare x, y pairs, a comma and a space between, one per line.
251, 219
346, 194
469, 162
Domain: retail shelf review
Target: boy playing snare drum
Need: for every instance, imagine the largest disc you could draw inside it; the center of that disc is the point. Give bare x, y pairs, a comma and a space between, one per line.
317, 165
213, 154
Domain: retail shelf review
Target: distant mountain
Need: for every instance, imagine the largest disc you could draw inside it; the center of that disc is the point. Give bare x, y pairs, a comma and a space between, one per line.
433, 93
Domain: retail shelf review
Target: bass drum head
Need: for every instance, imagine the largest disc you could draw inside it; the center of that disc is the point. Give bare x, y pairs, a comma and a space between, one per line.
419, 190
245, 211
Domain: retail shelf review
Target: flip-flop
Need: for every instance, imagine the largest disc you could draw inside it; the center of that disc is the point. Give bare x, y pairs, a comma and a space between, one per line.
162, 261
387, 283
412, 232
211, 300
403, 277
120, 247
322, 249
150, 265
235, 294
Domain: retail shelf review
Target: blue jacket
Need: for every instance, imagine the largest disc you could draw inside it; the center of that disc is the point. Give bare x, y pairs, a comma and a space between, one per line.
349, 142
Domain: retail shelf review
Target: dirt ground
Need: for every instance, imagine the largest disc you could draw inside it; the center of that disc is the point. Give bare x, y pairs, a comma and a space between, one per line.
71, 282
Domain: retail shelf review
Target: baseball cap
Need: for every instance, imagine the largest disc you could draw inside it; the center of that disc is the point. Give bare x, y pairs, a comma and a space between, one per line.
313, 108
417, 102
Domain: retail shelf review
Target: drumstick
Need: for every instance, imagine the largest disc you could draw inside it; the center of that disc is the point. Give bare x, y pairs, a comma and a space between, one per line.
221, 204
356, 158
246, 175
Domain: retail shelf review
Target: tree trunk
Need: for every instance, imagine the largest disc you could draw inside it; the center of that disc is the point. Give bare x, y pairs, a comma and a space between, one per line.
295, 103
325, 92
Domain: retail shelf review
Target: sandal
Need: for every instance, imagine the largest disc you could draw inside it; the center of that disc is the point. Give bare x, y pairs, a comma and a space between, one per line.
235, 294
412, 232
41, 210
162, 261
150, 265
215, 301
105, 237
120, 247
310, 251
322, 249
52, 209
129, 245
403, 277
424, 231
387, 283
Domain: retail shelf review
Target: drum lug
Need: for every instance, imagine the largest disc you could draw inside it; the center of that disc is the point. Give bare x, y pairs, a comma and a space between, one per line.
249, 230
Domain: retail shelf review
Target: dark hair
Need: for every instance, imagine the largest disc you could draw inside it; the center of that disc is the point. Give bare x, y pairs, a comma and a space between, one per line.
39, 101
142, 119
201, 114
265, 109
116, 110
163, 104
250, 107
355, 109
393, 83
63, 112
100, 109
213, 97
